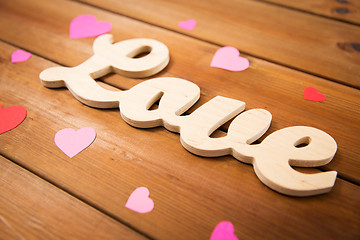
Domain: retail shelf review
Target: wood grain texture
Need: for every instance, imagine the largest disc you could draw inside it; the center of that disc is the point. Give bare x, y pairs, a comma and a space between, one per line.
345, 10
264, 85
191, 194
296, 39
31, 208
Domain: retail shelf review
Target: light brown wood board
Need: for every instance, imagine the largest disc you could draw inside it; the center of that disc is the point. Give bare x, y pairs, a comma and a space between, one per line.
302, 41
31, 208
265, 85
344, 10
191, 194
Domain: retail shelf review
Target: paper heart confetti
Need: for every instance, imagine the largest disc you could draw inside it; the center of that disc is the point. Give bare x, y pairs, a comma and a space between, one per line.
139, 201
20, 56
312, 94
188, 24
11, 117
72, 142
87, 26
223, 231
228, 58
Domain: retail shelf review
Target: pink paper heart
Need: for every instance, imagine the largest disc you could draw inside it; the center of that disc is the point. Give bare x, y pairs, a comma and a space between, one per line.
139, 201
86, 26
188, 25
228, 58
223, 231
72, 142
312, 94
20, 56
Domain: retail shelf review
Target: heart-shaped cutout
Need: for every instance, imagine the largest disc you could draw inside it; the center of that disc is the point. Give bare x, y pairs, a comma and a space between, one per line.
188, 24
228, 58
20, 56
72, 142
87, 26
312, 94
223, 231
11, 117
139, 201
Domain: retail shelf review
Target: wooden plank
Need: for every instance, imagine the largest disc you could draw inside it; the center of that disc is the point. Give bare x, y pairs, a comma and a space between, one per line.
31, 208
191, 194
345, 10
264, 85
296, 39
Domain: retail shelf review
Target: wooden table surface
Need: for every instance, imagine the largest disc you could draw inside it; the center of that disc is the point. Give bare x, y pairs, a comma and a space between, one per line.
44, 194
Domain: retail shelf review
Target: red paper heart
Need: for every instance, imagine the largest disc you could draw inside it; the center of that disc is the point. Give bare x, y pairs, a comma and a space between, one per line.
10, 117
312, 94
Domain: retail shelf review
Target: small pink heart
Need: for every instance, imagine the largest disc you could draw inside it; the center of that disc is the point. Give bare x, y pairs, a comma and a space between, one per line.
86, 26
228, 58
139, 201
20, 56
72, 142
188, 25
312, 94
223, 231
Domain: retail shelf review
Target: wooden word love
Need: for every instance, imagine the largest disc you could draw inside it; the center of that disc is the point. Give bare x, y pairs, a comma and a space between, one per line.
272, 158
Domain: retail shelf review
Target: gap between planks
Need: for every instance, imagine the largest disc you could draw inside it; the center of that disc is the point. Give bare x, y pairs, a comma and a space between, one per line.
82, 200
220, 45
